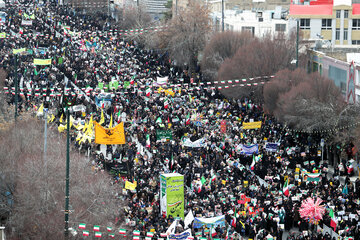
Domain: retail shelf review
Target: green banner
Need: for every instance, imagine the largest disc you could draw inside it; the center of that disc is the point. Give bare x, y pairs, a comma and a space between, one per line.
126, 84
173, 201
101, 85
163, 134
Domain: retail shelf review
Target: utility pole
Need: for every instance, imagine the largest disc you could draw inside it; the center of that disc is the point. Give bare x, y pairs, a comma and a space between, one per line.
45, 149
16, 87
297, 43
222, 16
176, 4
67, 178
109, 9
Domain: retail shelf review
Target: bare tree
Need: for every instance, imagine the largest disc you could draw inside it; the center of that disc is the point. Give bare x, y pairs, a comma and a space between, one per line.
223, 45
37, 185
260, 57
132, 16
186, 35
308, 101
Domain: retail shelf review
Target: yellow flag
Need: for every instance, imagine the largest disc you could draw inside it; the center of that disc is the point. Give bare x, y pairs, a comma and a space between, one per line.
78, 137
85, 127
111, 120
41, 109
130, 185
42, 61
61, 118
51, 118
61, 128
115, 135
102, 120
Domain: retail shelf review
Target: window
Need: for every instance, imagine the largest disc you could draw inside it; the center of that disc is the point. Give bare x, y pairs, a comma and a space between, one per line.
338, 13
280, 27
305, 23
355, 42
326, 24
337, 34
343, 87
250, 29
346, 14
356, 24
345, 34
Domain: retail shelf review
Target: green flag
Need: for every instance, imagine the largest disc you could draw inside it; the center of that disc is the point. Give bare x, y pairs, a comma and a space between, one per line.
203, 180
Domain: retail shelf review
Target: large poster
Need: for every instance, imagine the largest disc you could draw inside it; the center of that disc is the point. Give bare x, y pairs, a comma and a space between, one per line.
172, 195
163, 134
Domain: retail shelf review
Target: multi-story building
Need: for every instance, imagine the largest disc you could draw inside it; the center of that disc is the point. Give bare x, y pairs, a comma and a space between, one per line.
258, 22
337, 21
341, 66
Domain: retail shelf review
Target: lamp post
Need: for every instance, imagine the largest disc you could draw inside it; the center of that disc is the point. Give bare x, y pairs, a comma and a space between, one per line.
16, 87
297, 43
222, 16
67, 177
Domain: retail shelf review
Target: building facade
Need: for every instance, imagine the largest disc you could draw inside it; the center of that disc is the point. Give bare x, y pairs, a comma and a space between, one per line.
342, 68
258, 22
336, 21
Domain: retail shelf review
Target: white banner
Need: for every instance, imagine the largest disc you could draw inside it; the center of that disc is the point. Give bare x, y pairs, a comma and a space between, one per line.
198, 143
26, 22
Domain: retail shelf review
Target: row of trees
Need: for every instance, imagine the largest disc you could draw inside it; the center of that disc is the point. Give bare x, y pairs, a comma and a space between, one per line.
33, 188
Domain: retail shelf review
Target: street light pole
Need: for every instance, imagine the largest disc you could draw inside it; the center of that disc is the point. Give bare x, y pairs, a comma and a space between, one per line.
297, 43
67, 178
16, 88
45, 149
222, 16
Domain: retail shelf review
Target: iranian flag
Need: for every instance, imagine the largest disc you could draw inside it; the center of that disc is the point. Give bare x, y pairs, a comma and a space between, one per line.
213, 177
136, 238
252, 167
82, 225
147, 238
188, 119
166, 104
98, 234
112, 235
286, 188
122, 231
136, 233
163, 235
333, 221
149, 234
21, 30
213, 232
233, 222
148, 92
96, 228
147, 140
190, 238
86, 233
109, 229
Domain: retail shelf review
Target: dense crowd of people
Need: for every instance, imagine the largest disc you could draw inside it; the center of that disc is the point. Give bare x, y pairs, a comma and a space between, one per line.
91, 59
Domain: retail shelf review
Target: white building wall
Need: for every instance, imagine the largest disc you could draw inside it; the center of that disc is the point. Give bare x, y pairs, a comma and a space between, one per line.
315, 28
250, 19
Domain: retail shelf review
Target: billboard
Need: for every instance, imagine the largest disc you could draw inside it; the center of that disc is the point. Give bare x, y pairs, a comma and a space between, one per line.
172, 195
